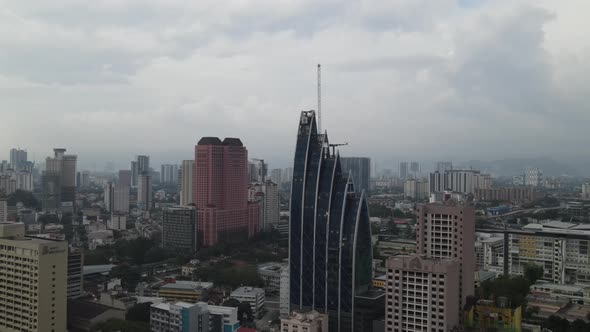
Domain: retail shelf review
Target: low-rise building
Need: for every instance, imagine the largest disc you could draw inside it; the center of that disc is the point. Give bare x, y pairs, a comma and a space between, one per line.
83, 315
193, 317
311, 321
252, 295
190, 291
271, 274
579, 294
485, 315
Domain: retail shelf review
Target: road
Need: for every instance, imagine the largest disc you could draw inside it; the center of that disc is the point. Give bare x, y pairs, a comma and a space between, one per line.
533, 211
270, 315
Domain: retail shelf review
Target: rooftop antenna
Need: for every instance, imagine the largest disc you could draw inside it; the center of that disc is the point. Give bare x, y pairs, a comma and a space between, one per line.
319, 98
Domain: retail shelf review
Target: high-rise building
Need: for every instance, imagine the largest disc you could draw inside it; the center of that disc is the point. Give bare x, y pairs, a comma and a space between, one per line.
179, 229
3, 210
64, 167
586, 190
422, 294
448, 232
330, 250
360, 170
108, 196
276, 176
124, 178
416, 188
414, 168
443, 166
118, 221
462, 181
121, 199
267, 196
187, 182
221, 192
169, 173
144, 192
34, 290
403, 170
18, 159
254, 171
311, 321
143, 164
51, 196
134, 173
533, 177
75, 276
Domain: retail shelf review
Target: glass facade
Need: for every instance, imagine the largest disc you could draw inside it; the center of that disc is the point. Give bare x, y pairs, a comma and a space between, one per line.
330, 252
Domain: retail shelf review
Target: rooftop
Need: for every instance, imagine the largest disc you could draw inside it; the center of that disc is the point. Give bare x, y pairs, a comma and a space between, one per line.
86, 309
245, 290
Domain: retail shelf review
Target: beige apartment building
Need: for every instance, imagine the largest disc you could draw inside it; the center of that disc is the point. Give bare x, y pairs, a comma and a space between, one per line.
33, 279
422, 294
311, 321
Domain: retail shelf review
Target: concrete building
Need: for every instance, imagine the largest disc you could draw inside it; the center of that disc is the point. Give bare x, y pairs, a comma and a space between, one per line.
443, 166
33, 282
404, 170
144, 192
124, 179
533, 177
134, 173
169, 173
180, 290
187, 171
254, 296
179, 316
179, 229
18, 159
118, 221
266, 195
489, 252
486, 315
221, 192
276, 176
515, 194
462, 181
223, 319
84, 315
75, 275
422, 294
586, 190
448, 232
284, 293
311, 321
108, 195
121, 199
271, 274
416, 189
3, 210
360, 170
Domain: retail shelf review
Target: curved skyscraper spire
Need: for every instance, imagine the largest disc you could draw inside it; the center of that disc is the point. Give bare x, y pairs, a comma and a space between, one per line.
330, 254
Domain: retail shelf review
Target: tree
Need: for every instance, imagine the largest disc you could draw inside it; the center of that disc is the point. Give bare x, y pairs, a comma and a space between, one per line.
556, 324
26, 197
139, 312
129, 276
245, 312
533, 273
231, 302
579, 325
513, 288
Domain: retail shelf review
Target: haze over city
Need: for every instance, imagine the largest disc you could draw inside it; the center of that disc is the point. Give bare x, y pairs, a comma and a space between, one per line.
458, 80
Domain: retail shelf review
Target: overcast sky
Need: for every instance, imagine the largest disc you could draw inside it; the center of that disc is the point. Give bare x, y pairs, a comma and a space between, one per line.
402, 79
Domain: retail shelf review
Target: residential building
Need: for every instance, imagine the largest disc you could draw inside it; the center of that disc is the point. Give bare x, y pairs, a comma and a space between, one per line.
489, 252
404, 171
3, 210
586, 190
276, 176
533, 177
108, 196
33, 282
311, 321
514, 194
118, 221
329, 225
18, 159
75, 276
416, 189
443, 166
180, 290
144, 192
360, 170
422, 294
143, 164
124, 178
179, 316
462, 181
169, 173
267, 196
270, 273
179, 229
187, 182
221, 192
121, 199
223, 319
254, 296
134, 173
577, 294
448, 232
414, 169
51, 195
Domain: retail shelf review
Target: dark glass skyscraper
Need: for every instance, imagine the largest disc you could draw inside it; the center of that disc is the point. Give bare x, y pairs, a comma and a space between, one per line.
330, 254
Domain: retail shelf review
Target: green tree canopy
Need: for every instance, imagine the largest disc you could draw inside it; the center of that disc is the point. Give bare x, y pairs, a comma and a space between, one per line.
533, 273
139, 312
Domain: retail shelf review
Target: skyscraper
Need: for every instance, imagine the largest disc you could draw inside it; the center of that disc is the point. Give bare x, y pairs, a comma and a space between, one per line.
403, 170
63, 167
18, 159
169, 173
143, 164
533, 177
134, 173
330, 251
124, 178
108, 196
448, 232
360, 170
34, 289
120, 199
144, 192
187, 182
221, 192
179, 229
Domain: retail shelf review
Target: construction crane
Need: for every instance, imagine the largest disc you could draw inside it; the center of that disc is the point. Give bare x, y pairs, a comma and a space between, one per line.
333, 146
262, 169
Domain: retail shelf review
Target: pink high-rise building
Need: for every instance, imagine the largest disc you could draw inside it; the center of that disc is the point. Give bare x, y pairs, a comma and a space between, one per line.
221, 192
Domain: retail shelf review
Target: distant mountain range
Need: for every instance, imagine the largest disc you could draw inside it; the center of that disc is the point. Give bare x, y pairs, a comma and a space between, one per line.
579, 166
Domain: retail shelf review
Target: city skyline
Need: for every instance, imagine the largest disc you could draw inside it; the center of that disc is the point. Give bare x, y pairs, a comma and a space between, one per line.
419, 68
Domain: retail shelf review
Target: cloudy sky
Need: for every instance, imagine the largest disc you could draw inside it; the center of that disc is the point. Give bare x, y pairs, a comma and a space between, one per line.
402, 79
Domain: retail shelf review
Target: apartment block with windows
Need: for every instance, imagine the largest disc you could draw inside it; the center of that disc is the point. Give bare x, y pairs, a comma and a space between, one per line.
422, 294
33, 282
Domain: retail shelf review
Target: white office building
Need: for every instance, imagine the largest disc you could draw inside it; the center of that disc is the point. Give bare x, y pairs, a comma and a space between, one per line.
254, 296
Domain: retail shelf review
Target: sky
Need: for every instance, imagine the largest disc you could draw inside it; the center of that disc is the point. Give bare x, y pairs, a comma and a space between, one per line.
401, 79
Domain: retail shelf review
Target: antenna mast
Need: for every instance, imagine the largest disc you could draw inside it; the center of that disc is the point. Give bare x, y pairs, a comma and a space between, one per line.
319, 99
